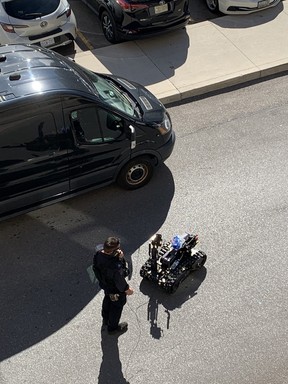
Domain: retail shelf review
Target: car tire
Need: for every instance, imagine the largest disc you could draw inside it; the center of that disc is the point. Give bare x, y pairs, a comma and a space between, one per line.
213, 6
109, 27
135, 174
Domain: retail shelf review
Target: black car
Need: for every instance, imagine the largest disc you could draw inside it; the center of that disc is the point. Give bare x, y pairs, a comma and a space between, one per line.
129, 19
65, 129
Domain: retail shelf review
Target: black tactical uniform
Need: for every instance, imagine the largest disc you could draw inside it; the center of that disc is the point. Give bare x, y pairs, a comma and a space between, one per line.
110, 271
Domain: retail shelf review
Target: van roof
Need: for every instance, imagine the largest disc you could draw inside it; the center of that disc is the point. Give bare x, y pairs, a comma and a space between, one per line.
29, 70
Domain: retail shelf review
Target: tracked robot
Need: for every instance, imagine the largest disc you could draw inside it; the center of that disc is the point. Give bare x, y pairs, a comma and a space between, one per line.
171, 262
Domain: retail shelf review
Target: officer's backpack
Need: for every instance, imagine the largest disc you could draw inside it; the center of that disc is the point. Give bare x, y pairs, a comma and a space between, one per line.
98, 273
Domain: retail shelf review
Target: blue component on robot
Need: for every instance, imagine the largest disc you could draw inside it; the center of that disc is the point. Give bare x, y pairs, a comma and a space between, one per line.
177, 242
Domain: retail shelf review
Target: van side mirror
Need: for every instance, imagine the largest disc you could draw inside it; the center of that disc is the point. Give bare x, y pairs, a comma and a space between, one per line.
133, 136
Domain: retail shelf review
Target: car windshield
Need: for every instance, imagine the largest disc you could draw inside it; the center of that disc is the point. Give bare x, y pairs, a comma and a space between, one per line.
110, 93
30, 9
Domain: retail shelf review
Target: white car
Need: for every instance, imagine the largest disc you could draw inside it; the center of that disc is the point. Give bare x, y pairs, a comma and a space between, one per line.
49, 23
239, 7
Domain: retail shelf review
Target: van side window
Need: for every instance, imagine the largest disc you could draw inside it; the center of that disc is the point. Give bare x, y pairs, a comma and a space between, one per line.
28, 138
96, 126
85, 126
112, 125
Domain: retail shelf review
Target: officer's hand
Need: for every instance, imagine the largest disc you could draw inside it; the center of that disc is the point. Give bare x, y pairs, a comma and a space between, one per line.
129, 291
120, 254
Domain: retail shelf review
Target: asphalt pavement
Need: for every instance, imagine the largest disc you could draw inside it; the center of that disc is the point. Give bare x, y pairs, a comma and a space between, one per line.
201, 58
235, 328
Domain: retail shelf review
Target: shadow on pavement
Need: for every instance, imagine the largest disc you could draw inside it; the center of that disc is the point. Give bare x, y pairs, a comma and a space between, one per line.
45, 254
167, 52
199, 11
158, 297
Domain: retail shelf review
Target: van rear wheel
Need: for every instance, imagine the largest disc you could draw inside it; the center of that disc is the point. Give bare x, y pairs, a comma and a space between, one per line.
135, 174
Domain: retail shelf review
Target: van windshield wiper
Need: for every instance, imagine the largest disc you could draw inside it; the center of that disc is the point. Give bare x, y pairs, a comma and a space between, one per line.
124, 93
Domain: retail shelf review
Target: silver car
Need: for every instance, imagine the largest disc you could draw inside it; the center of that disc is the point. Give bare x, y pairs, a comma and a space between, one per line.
49, 23
239, 7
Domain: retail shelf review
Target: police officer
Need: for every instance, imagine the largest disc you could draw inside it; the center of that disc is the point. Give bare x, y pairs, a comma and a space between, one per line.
109, 267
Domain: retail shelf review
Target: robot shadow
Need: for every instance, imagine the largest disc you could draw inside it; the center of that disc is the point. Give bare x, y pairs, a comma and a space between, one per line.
169, 302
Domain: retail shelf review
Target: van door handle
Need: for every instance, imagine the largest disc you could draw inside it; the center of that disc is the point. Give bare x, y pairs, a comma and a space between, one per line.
133, 136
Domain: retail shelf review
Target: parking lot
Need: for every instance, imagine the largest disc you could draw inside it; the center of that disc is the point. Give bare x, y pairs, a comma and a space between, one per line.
90, 35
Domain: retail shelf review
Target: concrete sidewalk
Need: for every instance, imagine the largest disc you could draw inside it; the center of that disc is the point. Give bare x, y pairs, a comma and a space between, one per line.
201, 58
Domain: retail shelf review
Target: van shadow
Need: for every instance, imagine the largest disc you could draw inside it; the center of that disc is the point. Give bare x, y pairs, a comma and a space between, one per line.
45, 254
249, 21
158, 297
147, 61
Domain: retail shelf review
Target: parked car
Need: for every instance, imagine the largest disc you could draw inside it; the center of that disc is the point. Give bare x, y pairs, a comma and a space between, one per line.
49, 23
239, 7
131, 19
65, 129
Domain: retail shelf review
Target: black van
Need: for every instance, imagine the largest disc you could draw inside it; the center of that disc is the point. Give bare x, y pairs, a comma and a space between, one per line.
65, 129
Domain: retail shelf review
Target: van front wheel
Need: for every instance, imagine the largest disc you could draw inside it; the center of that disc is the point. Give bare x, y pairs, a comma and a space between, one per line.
135, 174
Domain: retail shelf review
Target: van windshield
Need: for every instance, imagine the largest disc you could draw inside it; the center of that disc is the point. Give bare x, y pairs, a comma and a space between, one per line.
109, 93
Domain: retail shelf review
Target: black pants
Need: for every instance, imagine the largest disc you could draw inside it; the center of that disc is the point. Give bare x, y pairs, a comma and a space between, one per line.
112, 310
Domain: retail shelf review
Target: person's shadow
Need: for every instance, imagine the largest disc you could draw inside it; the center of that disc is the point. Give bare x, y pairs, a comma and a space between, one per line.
111, 367
158, 297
